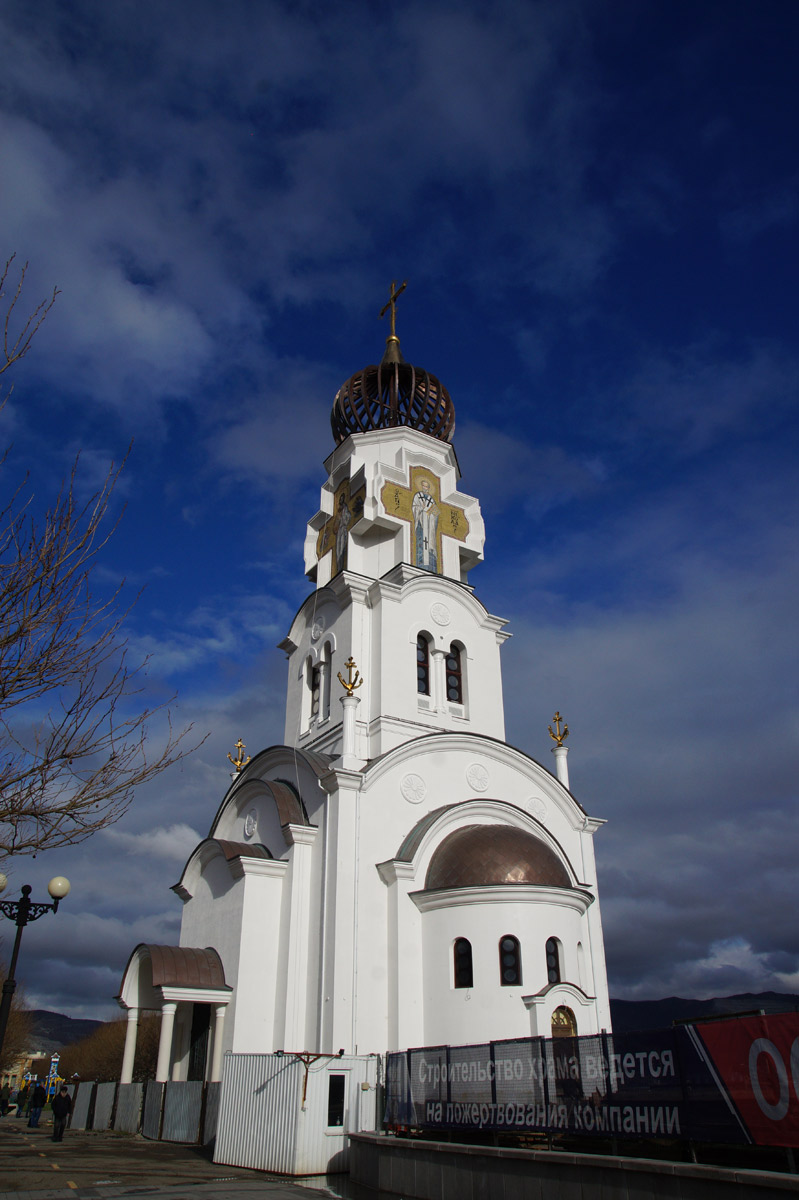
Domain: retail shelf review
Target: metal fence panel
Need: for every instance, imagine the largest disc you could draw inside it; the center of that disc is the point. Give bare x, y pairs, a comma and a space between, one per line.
182, 1111
151, 1121
697, 1081
80, 1109
211, 1112
258, 1109
128, 1114
104, 1105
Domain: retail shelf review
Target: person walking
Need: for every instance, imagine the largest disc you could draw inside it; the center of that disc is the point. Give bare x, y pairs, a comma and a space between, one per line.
5, 1098
22, 1096
62, 1107
38, 1101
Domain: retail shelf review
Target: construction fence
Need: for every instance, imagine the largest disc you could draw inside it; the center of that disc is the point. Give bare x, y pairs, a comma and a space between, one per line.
734, 1080
169, 1112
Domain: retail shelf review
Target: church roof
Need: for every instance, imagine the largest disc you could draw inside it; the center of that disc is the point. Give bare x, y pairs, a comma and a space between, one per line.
185, 966
233, 850
390, 394
486, 855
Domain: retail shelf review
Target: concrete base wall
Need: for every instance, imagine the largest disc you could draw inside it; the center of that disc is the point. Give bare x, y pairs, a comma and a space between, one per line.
419, 1170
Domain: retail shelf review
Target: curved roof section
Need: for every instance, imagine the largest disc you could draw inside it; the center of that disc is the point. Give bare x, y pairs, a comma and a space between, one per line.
205, 850
391, 394
176, 966
290, 807
375, 766
233, 850
185, 966
494, 855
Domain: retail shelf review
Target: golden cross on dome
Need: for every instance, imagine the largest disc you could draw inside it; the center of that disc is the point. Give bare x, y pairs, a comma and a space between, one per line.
353, 681
558, 736
240, 761
393, 296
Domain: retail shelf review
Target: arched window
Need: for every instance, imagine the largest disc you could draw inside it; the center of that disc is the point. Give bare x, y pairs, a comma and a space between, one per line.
454, 675
316, 692
463, 963
564, 1023
422, 665
510, 961
553, 960
324, 698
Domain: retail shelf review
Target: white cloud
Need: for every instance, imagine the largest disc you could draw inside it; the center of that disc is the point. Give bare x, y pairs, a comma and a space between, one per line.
174, 843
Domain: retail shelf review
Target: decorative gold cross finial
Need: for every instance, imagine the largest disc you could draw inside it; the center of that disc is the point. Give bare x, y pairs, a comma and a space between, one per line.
354, 681
558, 737
240, 761
393, 296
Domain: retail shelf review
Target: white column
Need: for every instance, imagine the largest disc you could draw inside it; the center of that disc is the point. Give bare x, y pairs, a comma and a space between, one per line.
349, 754
561, 766
168, 1011
350, 705
298, 900
130, 1046
216, 1054
324, 689
438, 679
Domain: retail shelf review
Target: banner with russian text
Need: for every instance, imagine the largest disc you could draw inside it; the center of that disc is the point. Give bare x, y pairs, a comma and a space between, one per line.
730, 1081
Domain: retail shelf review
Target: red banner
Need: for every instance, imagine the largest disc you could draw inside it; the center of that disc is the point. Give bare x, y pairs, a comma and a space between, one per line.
757, 1059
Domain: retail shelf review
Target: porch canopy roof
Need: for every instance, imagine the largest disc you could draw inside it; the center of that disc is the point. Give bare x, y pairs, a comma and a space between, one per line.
158, 973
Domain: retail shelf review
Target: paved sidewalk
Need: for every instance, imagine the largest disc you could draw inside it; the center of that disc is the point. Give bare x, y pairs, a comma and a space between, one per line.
92, 1166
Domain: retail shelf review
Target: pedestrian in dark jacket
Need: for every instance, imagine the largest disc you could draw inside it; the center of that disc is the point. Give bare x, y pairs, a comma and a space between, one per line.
38, 1101
62, 1107
22, 1096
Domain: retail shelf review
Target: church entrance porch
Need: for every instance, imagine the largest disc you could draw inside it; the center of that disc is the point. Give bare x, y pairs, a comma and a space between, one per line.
187, 986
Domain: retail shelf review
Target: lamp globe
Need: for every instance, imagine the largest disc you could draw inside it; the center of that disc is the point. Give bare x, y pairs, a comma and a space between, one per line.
58, 887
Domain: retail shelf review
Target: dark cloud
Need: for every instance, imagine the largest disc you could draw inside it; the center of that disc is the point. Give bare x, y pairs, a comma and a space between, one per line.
595, 217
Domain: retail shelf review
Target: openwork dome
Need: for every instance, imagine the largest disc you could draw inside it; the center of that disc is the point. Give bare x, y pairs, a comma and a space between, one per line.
390, 394
393, 393
489, 855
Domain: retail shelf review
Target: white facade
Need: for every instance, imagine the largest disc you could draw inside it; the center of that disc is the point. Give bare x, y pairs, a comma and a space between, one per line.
395, 833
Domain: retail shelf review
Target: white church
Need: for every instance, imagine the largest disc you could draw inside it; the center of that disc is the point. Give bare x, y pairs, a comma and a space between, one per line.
396, 875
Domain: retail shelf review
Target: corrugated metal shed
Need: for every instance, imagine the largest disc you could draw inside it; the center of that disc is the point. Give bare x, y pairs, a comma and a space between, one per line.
280, 1113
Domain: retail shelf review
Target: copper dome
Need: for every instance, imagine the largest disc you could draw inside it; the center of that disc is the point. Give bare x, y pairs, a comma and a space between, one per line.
393, 393
487, 855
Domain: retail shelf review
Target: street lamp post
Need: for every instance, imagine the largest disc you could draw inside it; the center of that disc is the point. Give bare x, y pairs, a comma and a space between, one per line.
22, 911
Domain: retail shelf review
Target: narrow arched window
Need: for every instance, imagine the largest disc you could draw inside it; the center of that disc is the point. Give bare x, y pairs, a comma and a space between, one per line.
324, 698
422, 665
316, 692
510, 961
553, 961
463, 963
454, 675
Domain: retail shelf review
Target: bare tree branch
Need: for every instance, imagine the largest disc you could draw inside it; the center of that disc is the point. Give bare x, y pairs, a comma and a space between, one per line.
73, 739
73, 736
17, 346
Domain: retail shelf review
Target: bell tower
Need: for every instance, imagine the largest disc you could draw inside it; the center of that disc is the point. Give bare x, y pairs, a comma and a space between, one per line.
389, 553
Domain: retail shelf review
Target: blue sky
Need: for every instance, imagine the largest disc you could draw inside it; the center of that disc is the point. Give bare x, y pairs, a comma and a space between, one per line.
596, 206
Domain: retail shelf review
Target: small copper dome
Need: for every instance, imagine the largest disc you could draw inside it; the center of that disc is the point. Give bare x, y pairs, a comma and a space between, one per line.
487, 855
393, 393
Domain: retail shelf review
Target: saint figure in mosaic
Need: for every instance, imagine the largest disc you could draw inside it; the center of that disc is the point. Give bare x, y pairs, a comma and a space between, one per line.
425, 524
342, 524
